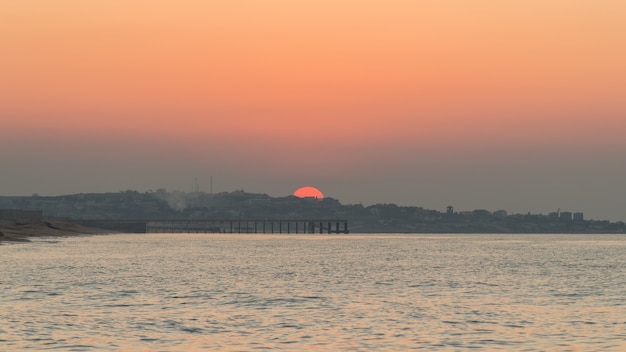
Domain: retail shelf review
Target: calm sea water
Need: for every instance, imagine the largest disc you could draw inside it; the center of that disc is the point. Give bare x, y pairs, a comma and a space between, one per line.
186, 292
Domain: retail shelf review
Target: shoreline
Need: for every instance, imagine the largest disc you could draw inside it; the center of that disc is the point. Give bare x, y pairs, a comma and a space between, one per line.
22, 231
16, 231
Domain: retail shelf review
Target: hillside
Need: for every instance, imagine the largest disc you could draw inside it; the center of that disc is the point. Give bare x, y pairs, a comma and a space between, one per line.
128, 211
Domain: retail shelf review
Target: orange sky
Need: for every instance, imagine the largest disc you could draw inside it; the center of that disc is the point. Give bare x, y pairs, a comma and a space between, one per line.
356, 85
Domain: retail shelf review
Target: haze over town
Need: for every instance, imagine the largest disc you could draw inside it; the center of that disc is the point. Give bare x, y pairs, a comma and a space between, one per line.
511, 105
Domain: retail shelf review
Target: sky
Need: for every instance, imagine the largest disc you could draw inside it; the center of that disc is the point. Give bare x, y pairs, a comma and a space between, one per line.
517, 105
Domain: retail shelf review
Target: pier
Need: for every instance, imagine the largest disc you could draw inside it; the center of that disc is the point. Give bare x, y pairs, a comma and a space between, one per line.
309, 226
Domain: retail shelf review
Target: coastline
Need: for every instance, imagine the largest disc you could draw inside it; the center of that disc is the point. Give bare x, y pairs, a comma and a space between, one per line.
23, 230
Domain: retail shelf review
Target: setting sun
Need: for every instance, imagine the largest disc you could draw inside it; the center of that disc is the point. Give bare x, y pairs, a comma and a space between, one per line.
308, 192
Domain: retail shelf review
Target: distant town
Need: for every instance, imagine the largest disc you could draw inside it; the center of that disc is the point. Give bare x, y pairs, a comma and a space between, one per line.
128, 211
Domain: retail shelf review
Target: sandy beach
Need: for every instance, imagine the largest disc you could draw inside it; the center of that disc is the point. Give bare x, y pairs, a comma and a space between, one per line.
22, 230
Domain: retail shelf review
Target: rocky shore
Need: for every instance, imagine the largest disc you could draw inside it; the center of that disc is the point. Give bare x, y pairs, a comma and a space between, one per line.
22, 230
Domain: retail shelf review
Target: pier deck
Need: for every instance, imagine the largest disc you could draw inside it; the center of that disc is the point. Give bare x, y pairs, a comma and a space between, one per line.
249, 226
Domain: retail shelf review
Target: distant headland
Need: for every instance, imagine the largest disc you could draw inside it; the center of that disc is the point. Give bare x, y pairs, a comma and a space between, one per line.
128, 211
20, 230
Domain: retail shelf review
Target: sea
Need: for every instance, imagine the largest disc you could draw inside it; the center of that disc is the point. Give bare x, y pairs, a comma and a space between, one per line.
354, 292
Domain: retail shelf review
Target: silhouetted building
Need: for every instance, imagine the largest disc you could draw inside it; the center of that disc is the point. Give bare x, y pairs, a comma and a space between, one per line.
578, 216
450, 210
565, 216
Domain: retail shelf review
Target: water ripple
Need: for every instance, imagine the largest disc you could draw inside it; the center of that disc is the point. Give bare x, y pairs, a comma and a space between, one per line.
235, 292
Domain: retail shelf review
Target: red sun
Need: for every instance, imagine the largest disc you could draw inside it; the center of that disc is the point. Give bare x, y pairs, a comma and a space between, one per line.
308, 192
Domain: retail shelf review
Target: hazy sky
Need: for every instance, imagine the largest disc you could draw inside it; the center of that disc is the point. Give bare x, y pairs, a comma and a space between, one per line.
481, 104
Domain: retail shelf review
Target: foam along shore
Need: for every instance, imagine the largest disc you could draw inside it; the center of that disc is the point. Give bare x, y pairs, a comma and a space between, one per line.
22, 230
